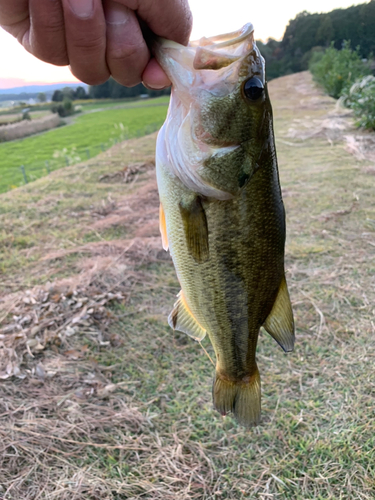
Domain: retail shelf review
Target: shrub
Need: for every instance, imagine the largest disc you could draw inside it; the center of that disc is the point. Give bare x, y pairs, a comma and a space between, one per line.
361, 99
66, 108
336, 70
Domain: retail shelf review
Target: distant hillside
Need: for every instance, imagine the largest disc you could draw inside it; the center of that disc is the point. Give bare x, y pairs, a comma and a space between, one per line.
32, 91
307, 33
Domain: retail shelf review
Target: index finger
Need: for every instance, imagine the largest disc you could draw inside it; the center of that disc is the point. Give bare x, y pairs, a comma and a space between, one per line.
13, 11
14, 17
170, 19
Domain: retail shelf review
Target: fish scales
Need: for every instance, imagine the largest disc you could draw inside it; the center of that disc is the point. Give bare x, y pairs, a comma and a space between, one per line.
222, 215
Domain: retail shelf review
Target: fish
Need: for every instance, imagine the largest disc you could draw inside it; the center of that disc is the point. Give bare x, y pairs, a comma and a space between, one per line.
222, 216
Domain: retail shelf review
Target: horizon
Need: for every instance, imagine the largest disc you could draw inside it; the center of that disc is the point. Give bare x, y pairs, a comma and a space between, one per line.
6, 82
224, 20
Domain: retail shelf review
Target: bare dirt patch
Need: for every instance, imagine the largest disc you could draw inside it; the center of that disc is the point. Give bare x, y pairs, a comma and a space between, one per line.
335, 125
128, 173
362, 146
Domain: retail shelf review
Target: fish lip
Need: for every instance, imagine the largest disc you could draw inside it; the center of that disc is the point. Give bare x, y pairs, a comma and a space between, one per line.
159, 45
225, 40
186, 65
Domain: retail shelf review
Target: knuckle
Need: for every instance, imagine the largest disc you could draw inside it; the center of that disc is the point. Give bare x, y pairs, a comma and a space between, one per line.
50, 53
125, 53
88, 44
127, 80
53, 58
90, 79
127, 64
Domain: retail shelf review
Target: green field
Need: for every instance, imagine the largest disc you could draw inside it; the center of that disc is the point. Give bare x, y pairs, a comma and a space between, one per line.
123, 103
89, 134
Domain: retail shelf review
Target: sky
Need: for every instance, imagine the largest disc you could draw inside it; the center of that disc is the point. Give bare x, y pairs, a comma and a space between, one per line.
211, 17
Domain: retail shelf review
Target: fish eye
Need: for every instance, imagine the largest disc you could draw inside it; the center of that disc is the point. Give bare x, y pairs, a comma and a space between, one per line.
253, 89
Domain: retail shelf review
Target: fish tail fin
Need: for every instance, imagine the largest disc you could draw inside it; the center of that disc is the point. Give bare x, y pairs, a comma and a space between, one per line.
240, 397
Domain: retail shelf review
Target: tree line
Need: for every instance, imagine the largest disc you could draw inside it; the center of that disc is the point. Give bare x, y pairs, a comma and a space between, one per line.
108, 90
305, 34
308, 33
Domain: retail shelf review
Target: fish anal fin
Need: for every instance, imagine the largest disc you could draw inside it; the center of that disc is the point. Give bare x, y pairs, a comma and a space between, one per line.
195, 228
279, 323
183, 320
242, 397
163, 228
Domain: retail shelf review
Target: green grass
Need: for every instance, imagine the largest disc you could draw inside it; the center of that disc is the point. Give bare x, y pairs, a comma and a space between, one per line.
154, 435
87, 136
124, 103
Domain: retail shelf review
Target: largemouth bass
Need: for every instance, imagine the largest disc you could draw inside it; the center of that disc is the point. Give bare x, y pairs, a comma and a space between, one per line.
221, 214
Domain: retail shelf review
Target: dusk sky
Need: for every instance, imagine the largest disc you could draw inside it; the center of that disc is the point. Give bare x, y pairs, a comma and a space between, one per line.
211, 17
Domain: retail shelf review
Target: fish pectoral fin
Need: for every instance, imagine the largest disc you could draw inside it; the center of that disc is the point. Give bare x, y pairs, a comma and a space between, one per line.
195, 228
163, 228
182, 319
279, 323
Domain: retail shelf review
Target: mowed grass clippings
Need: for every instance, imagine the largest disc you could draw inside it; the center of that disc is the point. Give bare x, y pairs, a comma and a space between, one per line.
109, 403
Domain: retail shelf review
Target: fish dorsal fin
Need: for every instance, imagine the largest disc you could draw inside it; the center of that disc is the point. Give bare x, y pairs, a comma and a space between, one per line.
279, 323
195, 228
163, 228
182, 319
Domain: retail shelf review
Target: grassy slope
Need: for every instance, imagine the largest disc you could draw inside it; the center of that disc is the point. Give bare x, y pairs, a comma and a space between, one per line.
153, 434
123, 103
88, 131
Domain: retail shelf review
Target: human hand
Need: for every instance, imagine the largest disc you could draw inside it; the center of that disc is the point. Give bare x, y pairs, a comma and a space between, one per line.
98, 38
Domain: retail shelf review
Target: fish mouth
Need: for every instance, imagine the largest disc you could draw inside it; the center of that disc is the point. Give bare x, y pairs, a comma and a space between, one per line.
214, 53
228, 40
202, 73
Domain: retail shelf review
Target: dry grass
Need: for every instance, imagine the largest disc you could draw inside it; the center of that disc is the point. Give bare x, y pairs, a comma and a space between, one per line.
100, 400
28, 127
9, 119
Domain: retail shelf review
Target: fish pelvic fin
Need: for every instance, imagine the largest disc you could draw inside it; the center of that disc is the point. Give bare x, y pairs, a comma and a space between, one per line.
163, 228
241, 397
280, 323
183, 320
195, 228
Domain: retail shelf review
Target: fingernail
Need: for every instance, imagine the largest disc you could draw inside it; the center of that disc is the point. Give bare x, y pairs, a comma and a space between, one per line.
82, 8
155, 86
115, 13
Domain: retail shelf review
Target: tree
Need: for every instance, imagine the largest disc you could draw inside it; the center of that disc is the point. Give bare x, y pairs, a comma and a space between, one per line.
80, 93
68, 93
42, 97
100, 91
58, 96
325, 32
113, 90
